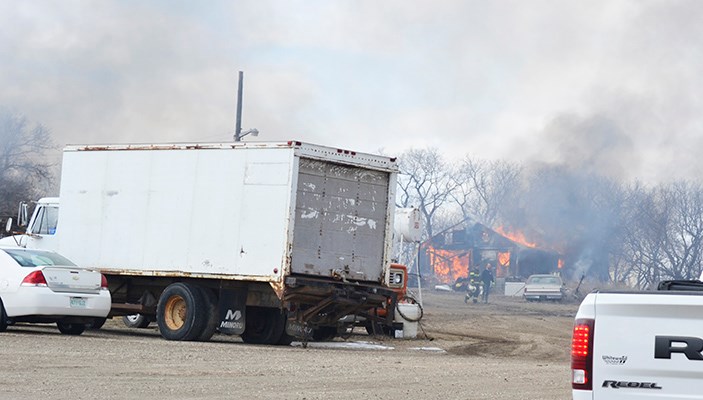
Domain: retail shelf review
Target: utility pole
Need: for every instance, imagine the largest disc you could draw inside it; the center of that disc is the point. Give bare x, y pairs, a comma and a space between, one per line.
238, 127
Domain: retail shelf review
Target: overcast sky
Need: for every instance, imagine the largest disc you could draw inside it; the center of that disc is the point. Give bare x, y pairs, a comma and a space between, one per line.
611, 86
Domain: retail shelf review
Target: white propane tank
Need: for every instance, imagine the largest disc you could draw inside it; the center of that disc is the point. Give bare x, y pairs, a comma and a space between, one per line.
411, 312
408, 224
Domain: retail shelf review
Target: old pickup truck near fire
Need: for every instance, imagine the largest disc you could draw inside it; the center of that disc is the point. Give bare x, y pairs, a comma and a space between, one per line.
639, 345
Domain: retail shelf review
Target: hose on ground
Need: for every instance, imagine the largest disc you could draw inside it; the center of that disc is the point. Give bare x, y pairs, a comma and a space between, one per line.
411, 300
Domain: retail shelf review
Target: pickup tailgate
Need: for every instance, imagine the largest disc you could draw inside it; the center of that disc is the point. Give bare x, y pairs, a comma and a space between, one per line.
648, 345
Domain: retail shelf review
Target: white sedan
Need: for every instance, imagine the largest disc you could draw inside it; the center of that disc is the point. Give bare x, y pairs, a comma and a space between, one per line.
39, 286
544, 287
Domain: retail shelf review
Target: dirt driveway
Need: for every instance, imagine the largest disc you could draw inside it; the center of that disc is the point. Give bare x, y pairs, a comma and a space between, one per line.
508, 349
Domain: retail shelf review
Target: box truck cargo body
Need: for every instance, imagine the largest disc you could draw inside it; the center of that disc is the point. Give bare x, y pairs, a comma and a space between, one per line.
269, 229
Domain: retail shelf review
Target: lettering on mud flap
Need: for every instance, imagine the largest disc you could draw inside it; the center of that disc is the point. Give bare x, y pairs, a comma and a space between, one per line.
233, 321
232, 311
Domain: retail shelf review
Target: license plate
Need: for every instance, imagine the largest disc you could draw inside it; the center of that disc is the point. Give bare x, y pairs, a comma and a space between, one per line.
78, 302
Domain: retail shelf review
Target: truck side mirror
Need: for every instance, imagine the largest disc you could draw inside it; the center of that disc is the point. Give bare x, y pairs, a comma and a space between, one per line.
22, 219
8, 226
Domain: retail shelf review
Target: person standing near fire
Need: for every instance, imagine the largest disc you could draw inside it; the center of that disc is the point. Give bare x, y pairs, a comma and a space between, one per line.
487, 278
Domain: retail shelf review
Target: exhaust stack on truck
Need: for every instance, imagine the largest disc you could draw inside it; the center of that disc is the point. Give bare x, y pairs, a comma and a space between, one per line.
264, 240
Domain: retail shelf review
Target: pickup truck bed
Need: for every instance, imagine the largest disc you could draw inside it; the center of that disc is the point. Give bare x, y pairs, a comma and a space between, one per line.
639, 345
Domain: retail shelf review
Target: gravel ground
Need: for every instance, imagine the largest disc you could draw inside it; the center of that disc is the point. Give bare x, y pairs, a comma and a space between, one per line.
508, 349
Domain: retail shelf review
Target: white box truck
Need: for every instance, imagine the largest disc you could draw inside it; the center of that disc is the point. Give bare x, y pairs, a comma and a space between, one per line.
264, 240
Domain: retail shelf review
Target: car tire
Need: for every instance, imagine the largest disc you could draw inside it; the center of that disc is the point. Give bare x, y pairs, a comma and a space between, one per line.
181, 312
96, 324
263, 325
136, 321
70, 328
3, 317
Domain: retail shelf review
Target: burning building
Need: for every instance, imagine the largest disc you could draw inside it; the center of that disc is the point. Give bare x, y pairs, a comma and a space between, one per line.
450, 255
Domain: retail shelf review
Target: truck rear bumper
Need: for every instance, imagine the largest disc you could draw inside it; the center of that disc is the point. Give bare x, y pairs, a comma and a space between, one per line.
582, 394
324, 302
543, 296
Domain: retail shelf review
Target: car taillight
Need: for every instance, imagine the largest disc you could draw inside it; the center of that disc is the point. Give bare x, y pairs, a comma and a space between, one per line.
582, 354
103, 282
35, 278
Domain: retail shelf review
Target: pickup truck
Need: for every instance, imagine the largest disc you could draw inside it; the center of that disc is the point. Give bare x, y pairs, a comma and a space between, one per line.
636, 345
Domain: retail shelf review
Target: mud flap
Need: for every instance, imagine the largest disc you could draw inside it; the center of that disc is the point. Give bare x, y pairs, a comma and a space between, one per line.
232, 311
297, 329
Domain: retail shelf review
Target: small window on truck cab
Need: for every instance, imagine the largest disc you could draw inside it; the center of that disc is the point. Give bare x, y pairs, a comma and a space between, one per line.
45, 221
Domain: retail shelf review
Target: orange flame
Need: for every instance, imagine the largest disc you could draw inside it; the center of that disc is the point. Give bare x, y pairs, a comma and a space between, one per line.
560, 263
504, 259
515, 236
503, 264
449, 265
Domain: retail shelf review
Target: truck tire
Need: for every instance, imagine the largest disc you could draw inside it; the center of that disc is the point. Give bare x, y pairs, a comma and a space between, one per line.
263, 325
136, 321
3, 317
285, 339
181, 312
324, 333
70, 329
212, 314
377, 328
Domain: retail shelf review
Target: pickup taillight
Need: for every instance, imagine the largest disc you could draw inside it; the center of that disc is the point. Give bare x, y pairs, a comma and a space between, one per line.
582, 354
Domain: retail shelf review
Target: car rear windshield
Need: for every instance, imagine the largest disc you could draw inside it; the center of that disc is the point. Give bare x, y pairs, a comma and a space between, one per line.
37, 258
550, 280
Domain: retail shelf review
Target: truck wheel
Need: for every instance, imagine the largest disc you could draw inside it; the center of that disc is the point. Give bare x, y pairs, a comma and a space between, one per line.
3, 317
181, 312
285, 339
324, 333
377, 328
213, 316
136, 321
263, 325
70, 329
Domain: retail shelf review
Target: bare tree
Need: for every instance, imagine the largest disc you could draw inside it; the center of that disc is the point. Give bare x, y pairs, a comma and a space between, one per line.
663, 234
683, 244
24, 171
425, 182
644, 231
483, 189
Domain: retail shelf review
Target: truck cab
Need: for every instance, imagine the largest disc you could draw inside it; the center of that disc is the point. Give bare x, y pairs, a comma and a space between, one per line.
41, 229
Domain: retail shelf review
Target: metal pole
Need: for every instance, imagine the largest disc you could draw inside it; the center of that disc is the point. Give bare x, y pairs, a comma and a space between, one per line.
417, 267
238, 127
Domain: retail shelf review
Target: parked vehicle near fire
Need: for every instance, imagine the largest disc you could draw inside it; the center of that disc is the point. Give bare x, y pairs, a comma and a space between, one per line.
639, 345
263, 240
40, 286
136, 321
543, 287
